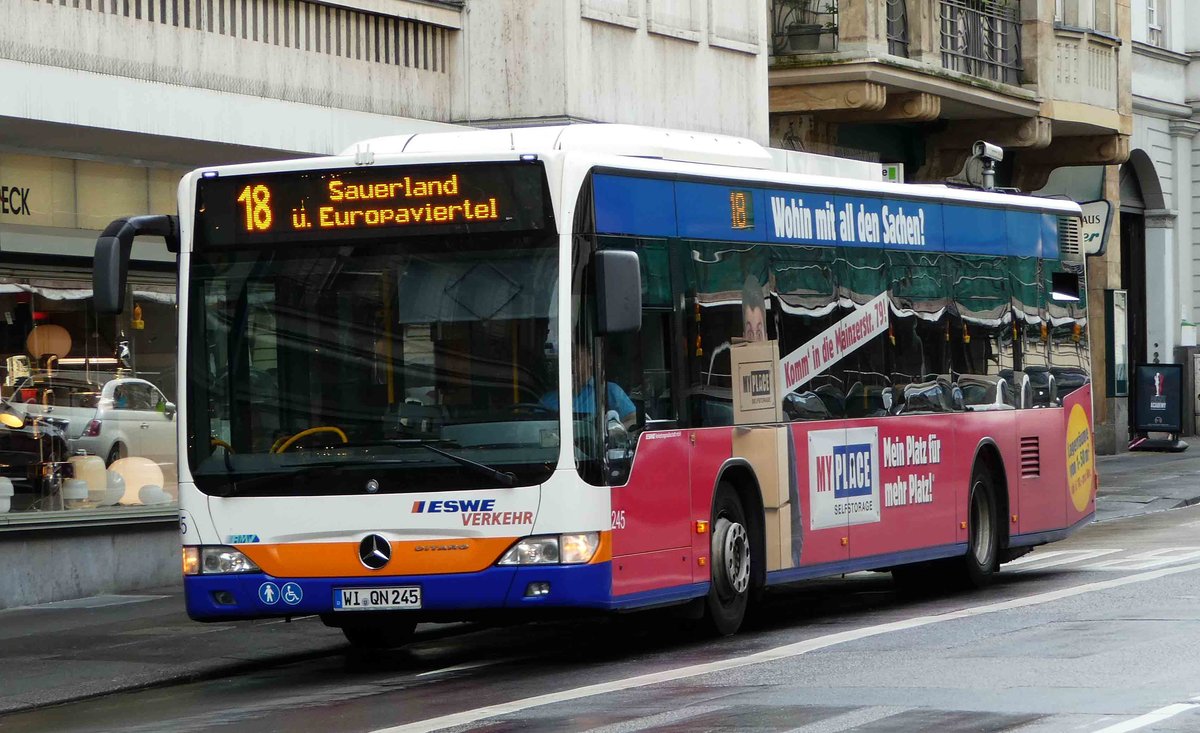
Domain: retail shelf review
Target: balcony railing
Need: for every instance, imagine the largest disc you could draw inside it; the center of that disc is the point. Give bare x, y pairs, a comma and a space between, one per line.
1085, 68
803, 26
982, 38
897, 27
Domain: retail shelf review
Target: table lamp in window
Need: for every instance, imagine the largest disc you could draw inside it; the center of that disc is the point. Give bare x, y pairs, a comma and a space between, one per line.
48, 342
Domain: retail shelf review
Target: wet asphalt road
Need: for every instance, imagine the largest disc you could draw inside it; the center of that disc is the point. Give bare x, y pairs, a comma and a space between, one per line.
1097, 633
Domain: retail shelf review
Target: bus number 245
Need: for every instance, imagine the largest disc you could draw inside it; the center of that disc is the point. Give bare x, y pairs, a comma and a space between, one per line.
618, 519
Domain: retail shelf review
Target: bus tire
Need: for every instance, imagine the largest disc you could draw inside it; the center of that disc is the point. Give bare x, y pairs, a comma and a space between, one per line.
730, 578
978, 567
378, 635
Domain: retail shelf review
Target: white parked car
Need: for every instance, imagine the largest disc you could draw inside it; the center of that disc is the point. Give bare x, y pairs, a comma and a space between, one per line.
122, 417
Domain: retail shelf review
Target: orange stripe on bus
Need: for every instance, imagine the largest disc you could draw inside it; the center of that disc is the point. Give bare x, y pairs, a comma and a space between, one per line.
340, 559
604, 551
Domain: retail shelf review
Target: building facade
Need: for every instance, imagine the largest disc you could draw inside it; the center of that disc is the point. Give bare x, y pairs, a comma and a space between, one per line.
913, 83
107, 102
1157, 197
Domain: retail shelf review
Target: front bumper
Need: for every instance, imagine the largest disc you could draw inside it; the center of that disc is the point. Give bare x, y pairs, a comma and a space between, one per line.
230, 597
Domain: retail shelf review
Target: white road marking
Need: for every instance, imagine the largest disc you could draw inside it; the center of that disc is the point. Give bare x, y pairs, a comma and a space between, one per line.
773, 655
1054, 559
466, 666
1150, 718
1149, 560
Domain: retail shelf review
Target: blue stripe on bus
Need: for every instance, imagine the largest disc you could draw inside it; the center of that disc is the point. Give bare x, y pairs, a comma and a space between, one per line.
641, 206
571, 586
974, 230
1053, 535
659, 596
1049, 237
650, 207
873, 562
703, 209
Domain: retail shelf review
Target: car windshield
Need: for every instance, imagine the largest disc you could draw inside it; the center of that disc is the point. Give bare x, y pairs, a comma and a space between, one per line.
315, 369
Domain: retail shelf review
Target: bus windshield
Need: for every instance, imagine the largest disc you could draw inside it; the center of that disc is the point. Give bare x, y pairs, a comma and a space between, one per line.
330, 369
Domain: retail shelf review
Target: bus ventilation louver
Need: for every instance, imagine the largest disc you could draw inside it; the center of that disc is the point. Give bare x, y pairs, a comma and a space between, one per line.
1069, 245
1031, 457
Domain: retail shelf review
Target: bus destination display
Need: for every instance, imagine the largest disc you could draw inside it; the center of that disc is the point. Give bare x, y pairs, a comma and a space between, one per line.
313, 205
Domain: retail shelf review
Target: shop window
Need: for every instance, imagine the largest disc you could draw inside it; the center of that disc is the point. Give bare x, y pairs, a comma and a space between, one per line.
90, 399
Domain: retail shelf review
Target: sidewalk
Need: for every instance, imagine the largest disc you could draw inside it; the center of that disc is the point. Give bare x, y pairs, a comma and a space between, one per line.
1138, 483
70, 650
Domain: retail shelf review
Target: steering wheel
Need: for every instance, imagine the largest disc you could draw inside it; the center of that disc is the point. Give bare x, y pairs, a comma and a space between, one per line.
218, 443
283, 444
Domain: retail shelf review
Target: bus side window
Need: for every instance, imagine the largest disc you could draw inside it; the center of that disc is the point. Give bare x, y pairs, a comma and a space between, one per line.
803, 306
641, 362
862, 375
981, 344
1069, 352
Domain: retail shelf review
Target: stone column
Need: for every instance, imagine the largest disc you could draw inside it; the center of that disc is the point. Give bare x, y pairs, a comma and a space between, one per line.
925, 32
1110, 416
862, 27
1183, 133
1162, 310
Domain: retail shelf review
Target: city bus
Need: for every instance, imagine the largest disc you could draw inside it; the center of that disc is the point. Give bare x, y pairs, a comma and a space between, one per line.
802, 375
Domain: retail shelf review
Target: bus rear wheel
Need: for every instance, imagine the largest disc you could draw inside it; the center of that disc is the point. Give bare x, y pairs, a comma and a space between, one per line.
978, 567
729, 590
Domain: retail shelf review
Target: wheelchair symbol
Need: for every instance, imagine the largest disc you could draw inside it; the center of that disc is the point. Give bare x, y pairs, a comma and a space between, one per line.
291, 593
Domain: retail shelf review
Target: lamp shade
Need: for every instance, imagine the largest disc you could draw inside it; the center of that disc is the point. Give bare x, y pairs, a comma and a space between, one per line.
137, 472
114, 488
91, 470
48, 339
10, 419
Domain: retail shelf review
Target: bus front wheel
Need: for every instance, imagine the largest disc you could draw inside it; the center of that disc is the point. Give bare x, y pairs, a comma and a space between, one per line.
729, 590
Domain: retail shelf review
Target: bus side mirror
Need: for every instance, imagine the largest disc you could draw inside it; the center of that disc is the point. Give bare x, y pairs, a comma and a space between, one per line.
618, 281
110, 268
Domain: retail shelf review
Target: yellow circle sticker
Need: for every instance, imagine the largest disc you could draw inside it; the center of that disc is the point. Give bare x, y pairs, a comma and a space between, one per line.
1081, 470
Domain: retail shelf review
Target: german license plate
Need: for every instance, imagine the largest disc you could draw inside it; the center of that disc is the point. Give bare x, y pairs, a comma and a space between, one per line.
372, 599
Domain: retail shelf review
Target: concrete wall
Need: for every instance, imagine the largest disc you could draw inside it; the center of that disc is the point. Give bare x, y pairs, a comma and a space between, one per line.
691, 64
80, 66
57, 564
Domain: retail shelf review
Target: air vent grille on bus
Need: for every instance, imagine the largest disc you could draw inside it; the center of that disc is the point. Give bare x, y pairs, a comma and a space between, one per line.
1069, 245
1031, 457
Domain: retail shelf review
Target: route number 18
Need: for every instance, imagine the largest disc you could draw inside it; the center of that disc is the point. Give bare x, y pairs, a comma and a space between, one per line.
256, 203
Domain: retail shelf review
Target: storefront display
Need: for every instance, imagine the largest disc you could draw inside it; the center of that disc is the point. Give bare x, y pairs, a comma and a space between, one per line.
90, 401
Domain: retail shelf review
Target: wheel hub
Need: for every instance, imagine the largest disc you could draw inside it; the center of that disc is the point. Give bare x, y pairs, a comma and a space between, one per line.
732, 556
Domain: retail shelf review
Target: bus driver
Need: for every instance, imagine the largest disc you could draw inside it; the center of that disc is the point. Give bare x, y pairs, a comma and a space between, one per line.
585, 398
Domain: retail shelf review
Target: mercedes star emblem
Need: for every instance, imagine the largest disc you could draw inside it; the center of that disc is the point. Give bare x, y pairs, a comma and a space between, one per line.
374, 552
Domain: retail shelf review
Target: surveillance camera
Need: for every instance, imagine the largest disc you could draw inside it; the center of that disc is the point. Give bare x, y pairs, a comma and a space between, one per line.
987, 151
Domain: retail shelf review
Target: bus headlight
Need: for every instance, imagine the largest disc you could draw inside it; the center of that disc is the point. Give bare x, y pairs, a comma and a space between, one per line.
579, 548
216, 560
566, 549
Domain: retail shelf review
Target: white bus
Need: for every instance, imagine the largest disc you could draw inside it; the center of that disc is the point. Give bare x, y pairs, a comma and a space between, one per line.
803, 375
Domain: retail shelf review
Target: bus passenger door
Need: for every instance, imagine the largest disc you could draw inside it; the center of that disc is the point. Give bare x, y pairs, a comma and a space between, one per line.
651, 510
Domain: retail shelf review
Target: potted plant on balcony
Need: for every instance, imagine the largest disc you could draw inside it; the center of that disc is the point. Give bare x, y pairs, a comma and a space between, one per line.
806, 23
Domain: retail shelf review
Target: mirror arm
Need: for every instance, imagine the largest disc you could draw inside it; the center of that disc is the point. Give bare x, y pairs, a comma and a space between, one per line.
113, 246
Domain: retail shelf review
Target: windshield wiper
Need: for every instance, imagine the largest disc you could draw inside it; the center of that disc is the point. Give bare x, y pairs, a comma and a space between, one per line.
504, 478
